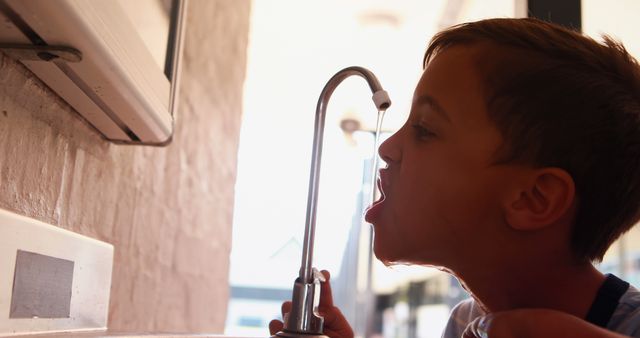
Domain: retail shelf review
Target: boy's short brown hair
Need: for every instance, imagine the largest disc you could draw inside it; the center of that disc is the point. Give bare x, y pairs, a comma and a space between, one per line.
561, 99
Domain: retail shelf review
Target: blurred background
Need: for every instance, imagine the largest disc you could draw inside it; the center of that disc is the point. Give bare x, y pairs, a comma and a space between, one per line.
294, 48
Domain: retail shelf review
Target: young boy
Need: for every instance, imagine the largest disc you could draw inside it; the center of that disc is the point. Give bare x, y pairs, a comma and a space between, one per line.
518, 167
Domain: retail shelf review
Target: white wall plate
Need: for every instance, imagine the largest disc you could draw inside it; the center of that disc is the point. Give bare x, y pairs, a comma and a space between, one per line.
53, 263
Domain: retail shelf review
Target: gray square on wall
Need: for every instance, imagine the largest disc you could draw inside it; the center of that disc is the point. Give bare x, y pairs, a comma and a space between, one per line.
42, 286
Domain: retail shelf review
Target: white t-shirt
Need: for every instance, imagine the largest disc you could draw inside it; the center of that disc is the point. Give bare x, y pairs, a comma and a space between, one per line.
624, 320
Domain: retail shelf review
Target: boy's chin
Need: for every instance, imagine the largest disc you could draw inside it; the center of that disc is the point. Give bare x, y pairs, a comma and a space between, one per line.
400, 256
384, 255
390, 256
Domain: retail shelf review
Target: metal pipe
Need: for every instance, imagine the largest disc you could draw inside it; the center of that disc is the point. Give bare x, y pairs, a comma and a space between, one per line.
304, 318
382, 102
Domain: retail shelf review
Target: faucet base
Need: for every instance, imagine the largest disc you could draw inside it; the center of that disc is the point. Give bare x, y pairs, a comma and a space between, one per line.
284, 334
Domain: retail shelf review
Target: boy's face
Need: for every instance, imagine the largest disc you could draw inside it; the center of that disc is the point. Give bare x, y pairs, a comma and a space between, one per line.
443, 194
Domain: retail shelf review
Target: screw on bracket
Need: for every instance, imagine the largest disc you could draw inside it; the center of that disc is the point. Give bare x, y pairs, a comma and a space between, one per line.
41, 53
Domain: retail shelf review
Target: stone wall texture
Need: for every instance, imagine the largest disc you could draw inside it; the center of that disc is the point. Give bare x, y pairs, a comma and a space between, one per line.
167, 211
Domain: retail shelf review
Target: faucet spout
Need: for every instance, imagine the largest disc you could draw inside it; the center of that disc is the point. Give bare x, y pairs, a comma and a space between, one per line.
304, 318
382, 102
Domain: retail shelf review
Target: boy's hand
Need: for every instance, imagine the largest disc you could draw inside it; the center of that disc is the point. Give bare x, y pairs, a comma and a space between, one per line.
335, 325
534, 323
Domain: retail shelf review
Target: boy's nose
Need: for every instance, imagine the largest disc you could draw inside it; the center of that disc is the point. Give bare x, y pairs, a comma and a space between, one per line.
390, 150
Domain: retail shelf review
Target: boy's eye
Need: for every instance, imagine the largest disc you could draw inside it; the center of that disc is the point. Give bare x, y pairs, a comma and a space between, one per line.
422, 132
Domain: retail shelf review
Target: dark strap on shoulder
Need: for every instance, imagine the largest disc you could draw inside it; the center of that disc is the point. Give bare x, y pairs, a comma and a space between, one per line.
606, 301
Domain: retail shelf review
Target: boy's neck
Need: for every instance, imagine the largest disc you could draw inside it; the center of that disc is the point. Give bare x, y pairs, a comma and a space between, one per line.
550, 284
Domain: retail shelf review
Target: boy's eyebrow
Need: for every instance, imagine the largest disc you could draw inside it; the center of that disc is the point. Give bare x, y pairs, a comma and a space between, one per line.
425, 99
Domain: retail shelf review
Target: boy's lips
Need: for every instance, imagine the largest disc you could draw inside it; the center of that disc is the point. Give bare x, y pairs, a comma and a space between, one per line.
383, 180
374, 210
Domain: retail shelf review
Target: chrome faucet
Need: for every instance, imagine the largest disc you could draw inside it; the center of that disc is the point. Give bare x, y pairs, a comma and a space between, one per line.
304, 320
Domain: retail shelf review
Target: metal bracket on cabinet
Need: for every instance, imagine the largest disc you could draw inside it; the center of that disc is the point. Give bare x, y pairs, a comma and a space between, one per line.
25, 52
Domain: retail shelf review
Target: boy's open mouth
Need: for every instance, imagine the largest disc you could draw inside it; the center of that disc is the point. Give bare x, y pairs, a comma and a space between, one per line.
374, 210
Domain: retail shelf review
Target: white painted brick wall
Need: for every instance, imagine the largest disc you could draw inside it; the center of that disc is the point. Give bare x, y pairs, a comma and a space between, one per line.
168, 211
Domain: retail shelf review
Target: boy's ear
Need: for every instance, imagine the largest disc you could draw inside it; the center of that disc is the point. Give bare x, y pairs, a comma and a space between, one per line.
542, 200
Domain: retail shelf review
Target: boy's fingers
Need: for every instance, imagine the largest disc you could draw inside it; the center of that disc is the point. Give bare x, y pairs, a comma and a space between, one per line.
326, 298
275, 326
286, 308
335, 324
